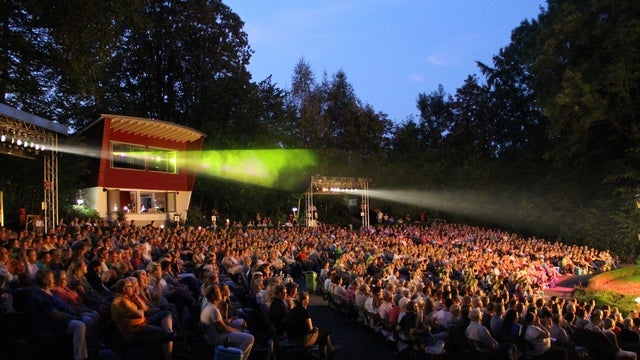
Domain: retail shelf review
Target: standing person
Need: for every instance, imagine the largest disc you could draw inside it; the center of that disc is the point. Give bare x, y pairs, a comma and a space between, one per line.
52, 316
300, 327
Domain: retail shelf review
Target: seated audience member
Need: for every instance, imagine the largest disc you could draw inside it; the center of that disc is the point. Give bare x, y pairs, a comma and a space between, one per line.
176, 292
78, 282
51, 316
4, 266
279, 310
408, 325
607, 329
510, 327
30, 264
595, 321
128, 313
384, 312
479, 334
558, 332
116, 263
627, 336
216, 331
230, 309
107, 275
153, 297
6, 297
337, 289
89, 317
292, 293
94, 277
300, 328
496, 319
538, 339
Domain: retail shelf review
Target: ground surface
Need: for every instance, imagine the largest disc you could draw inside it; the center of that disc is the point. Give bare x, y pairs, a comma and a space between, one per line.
626, 282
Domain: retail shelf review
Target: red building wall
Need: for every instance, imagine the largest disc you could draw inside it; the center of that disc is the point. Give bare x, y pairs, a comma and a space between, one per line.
183, 180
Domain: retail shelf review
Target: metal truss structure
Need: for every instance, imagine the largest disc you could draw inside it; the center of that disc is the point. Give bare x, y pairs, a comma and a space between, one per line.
335, 186
28, 136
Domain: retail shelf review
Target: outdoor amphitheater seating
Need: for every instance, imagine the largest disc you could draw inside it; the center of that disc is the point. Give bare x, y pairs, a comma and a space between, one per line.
599, 346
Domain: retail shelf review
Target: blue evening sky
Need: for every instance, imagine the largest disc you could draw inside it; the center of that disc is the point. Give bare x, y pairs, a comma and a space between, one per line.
390, 50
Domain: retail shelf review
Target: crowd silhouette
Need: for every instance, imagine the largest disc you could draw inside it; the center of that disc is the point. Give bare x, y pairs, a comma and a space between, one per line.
119, 290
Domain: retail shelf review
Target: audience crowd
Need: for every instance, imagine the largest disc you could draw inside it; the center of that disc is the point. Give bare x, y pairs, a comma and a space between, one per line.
124, 288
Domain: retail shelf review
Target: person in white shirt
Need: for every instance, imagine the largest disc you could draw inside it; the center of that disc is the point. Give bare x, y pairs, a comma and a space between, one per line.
219, 333
539, 339
337, 289
479, 334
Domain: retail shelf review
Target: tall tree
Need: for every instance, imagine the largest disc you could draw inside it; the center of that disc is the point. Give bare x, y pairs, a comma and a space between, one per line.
521, 125
436, 117
185, 61
473, 131
588, 74
27, 70
303, 84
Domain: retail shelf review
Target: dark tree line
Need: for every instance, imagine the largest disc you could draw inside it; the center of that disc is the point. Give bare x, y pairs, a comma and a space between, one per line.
543, 140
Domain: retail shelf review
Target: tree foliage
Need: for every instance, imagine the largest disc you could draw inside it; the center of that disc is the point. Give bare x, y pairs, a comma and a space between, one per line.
543, 140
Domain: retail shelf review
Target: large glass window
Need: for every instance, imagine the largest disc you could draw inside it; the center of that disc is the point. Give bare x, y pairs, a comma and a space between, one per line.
162, 160
153, 202
127, 156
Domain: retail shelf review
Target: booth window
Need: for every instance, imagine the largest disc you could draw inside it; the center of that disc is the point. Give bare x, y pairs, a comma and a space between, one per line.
162, 160
157, 202
128, 156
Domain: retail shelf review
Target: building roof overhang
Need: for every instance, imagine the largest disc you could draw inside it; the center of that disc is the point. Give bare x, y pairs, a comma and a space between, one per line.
153, 128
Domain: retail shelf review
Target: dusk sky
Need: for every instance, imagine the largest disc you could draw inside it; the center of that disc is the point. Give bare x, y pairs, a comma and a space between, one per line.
390, 50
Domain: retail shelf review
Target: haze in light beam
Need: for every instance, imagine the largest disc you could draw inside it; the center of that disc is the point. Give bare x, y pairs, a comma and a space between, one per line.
466, 203
274, 168
279, 168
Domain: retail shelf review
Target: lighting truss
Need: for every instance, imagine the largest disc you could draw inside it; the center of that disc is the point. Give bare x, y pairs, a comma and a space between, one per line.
334, 186
28, 136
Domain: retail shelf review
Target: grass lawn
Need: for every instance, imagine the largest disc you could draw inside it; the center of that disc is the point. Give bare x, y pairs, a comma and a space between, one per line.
617, 288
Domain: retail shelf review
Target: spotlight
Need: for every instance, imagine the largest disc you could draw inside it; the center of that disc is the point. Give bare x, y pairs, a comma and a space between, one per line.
3, 138
19, 142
